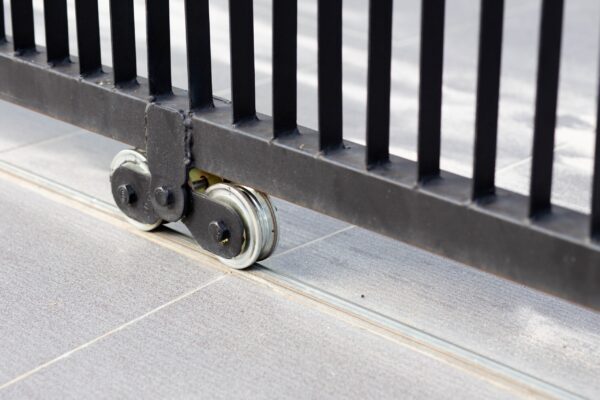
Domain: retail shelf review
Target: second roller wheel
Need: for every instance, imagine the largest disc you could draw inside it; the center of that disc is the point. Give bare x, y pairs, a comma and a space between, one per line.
258, 217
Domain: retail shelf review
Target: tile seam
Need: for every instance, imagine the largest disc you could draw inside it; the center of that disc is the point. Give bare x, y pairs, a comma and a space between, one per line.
105, 335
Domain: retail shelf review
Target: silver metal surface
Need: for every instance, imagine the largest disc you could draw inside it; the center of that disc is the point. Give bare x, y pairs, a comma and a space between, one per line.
258, 218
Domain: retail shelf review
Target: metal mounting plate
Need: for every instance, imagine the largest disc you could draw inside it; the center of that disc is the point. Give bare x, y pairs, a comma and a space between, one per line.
140, 207
202, 211
168, 159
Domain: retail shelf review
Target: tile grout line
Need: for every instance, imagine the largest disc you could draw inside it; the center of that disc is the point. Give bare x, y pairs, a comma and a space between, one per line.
303, 245
497, 373
528, 159
109, 333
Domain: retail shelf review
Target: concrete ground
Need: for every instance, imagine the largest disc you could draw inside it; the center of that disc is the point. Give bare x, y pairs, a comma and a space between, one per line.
92, 308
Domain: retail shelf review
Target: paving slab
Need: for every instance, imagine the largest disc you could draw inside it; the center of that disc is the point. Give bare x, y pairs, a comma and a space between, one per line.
66, 278
529, 331
80, 161
236, 339
572, 175
18, 129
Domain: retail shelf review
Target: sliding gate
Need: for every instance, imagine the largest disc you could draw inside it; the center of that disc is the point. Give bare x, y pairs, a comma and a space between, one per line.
523, 238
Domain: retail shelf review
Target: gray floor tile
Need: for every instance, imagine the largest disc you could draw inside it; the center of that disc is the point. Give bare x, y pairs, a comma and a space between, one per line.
299, 226
66, 278
81, 162
572, 178
527, 330
21, 127
576, 111
538, 334
235, 339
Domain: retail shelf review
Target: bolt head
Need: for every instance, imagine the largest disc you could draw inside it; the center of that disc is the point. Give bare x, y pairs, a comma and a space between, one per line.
126, 195
219, 231
163, 196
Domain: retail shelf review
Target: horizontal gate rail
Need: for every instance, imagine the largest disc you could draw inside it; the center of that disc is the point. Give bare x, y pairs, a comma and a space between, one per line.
522, 238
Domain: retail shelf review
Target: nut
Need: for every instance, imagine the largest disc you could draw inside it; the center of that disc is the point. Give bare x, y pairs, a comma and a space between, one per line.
126, 194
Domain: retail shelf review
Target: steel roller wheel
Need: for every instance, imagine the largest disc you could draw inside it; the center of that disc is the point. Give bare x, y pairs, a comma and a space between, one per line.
258, 216
136, 162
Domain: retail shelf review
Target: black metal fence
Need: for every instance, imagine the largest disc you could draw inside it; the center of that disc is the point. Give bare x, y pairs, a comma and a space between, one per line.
526, 239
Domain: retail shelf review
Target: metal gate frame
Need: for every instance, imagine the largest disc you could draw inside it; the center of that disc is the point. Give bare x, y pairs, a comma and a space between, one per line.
523, 238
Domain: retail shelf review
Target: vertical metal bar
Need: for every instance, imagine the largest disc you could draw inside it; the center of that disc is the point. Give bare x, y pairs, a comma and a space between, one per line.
285, 45
2, 28
430, 89
488, 94
22, 25
88, 36
197, 24
379, 79
122, 29
330, 74
545, 106
595, 215
241, 27
57, 30
158, 38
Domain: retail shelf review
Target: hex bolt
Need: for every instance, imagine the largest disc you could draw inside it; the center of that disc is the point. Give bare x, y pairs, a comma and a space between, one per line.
219, 232
126, 195
163, 196
200, 184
